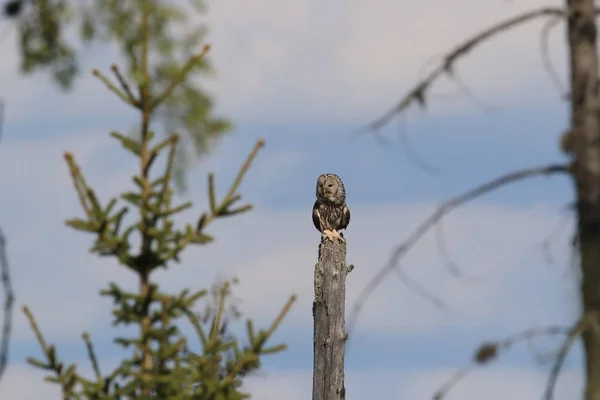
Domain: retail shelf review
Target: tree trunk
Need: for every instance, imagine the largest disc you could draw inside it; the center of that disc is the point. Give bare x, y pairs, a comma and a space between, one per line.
585, 126
328, 313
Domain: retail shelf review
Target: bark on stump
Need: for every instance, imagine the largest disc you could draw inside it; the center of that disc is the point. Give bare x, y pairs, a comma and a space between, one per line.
328, 314
585, 101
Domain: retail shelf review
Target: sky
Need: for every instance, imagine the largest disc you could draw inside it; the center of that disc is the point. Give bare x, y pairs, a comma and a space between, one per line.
304, 76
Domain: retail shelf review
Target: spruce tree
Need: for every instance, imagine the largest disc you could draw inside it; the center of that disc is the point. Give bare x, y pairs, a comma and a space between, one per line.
171, 34
164, 363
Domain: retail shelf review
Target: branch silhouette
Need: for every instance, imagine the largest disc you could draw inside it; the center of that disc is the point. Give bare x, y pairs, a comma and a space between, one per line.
413, 155
8, 306
438, 214
573, 333
418, 92
453, 269
545, 54
488, 351
6, 285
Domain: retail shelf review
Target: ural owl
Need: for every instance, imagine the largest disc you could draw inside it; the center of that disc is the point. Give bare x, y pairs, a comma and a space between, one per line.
330, 213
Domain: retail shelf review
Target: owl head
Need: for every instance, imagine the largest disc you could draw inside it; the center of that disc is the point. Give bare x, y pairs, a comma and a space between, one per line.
330, 187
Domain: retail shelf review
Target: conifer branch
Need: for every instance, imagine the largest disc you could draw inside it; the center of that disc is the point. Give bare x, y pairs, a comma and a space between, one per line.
92, 356
36, 329
195, 321
161, 363
172, 142
132, 57
286, 308
67, 378
223, 208
78, 183
257, 344
180, 76
212, 198
147, 260
145, 76
110, 86
244, 169
216, 324
124, 85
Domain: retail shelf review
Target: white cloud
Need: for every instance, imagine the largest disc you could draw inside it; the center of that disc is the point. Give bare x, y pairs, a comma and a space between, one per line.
312, 61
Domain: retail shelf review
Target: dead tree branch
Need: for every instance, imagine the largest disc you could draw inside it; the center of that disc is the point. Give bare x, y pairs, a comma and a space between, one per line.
451, 266
7, 287
546, 244
418, 92
545, 53
413, 155
489, 351
437, 215
416, 287
562, 354
8, 306
328, 313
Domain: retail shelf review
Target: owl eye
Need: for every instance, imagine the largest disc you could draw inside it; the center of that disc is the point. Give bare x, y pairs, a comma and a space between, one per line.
330, 185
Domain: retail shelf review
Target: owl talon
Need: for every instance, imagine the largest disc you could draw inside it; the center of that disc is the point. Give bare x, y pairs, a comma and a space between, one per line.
339, 236
329, 234
332, 235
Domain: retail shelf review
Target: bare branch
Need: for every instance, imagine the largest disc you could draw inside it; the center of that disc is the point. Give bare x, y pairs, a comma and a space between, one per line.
8, 306
562, 354
468, 93
545, 53
462, 87
416, 287
412, 154
111, 86
489, 351
9, 296
438, 214
124, 85
419, 90
451, 266
547, 242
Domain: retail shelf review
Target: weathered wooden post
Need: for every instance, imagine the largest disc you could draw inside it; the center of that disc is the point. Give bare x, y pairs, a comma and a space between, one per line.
328, 314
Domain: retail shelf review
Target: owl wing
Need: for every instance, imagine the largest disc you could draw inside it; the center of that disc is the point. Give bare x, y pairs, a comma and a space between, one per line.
345, 220
316, 217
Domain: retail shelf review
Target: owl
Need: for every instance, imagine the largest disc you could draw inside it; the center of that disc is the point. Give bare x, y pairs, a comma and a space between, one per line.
330, 213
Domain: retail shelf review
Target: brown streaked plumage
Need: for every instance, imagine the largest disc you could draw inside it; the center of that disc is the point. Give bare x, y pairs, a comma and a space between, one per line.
330, 213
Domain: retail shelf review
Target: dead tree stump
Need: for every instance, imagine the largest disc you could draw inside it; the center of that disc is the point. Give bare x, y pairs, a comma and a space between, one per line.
328, 314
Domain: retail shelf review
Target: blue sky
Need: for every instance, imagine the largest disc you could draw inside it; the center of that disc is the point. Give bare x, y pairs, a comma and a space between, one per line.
306, 91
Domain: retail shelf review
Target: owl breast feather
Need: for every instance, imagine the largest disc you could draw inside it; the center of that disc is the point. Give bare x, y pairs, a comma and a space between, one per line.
331, 216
